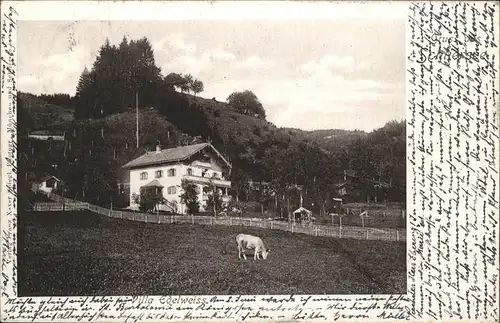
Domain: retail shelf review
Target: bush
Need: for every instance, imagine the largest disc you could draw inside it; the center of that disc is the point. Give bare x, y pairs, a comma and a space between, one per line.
149, 199
189, 196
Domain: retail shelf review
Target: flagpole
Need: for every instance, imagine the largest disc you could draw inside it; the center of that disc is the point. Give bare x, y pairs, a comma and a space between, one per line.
137, 117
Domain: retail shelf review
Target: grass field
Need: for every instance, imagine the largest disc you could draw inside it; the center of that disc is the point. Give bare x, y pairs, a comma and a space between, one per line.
81, 253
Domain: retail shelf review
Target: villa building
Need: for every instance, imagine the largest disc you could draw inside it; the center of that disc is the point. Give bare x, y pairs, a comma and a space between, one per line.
164, 170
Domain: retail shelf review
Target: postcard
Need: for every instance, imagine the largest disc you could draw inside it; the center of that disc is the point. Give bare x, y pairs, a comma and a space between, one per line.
249, 161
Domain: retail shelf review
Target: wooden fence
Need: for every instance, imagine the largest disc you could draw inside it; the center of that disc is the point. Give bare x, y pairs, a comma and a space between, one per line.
54, 206
367, 233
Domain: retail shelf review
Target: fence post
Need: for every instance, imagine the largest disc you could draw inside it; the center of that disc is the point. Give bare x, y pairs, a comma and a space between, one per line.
272, 224
397, 235
211, 221
366, 234
133, 217
340, 232
192, 218
230, 221
316, 231
292, 227
250, 221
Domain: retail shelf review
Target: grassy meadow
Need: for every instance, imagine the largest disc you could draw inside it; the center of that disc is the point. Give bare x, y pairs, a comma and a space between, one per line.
81, 253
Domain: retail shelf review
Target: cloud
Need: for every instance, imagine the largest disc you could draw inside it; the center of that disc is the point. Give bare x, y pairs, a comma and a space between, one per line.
196, 63
58, 73
174, 42
186, 64
220, 54
255, 62
332, 62
320, 100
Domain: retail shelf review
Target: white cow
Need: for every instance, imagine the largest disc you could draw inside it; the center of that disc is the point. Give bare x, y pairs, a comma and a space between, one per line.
246, 241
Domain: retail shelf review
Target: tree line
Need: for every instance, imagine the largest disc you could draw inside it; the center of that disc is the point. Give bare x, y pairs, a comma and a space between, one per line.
126, 73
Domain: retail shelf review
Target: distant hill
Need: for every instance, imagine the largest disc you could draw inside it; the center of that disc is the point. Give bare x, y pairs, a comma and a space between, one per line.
329, 139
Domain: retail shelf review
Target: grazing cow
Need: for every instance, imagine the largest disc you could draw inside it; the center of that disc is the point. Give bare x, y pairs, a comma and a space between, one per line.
246, 241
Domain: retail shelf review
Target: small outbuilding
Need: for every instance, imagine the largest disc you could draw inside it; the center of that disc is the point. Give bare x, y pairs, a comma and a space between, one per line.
47, 183
47, 135
302, 215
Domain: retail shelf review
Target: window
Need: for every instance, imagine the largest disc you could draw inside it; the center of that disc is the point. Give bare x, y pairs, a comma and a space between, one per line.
144, 175
159, 173
171, 172
171, 190
190, 171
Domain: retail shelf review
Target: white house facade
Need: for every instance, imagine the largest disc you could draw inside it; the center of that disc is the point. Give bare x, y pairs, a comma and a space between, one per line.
46, 135
165, 169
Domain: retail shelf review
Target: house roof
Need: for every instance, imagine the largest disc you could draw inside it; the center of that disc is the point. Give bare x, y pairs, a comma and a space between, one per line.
47, 133
153, 183
300, 209
170, 155
47, 177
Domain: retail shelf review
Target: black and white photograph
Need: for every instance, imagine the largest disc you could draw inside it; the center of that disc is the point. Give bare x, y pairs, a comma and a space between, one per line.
246, 161
211, 157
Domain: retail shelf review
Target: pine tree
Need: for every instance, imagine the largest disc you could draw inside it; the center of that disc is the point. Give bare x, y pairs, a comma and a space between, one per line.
118, 73
82, 96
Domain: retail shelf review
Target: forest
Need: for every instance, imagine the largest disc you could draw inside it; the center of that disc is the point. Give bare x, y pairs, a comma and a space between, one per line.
100, 134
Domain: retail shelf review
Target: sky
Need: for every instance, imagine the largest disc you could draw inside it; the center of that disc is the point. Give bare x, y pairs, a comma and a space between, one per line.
308, 73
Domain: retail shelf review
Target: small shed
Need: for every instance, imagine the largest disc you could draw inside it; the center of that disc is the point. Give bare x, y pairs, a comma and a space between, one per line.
47, 183
337, 201
302, 215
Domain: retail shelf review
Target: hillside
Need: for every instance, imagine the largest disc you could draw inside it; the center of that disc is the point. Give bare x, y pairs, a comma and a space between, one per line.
41, 113
91, 157
95, 149
45, 115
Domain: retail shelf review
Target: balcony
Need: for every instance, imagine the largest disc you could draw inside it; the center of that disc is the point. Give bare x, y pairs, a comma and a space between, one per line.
202, 164
206, 181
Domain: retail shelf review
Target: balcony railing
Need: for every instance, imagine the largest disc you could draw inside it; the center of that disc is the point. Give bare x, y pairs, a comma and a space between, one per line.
206, 180
202, 164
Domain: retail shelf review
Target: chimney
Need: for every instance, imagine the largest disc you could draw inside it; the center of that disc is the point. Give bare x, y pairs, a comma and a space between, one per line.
158, 147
